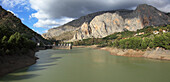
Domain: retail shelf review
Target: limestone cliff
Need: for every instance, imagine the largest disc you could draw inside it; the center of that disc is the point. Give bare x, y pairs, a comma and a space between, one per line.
101, 24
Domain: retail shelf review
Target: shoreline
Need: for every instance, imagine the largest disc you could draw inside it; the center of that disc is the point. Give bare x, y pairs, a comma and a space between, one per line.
11, 64
158, 53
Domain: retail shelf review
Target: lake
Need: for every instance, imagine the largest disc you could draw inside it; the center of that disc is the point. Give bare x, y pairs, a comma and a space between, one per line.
90, 65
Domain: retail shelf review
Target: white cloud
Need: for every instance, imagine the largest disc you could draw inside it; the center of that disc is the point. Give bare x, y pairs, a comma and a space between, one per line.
36, 31
18, 5
30, 17
40, 15
13, 3
46, 31
50, 23
166, 8
13, 13
27, 8
51, 12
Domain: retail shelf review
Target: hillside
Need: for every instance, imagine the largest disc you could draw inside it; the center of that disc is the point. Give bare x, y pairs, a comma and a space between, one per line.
104, 23
148, 37
12, 24
17, 43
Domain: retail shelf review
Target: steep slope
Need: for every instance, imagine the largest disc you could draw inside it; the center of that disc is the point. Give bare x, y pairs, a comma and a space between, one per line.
13, 24
55, 33
106, 23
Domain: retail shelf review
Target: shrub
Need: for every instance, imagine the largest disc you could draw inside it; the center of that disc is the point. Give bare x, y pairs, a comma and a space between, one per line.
146, 42
162, 40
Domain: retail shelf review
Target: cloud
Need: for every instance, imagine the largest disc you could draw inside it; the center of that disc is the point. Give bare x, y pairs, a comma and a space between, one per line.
13, 3
50, 23
77, 8
46, 31
22, 19
13, 13
36, 31
49, 11
27, 8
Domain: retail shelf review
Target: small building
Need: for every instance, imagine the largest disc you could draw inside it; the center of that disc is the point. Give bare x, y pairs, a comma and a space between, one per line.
141, 33
156, 32
164, 31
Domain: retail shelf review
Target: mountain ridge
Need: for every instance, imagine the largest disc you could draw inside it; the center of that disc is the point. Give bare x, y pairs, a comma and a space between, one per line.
82, 28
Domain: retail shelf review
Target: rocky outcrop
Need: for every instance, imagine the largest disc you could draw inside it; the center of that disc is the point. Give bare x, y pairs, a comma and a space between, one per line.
54, 32
106, 24
158, 53
124, 52
101, 24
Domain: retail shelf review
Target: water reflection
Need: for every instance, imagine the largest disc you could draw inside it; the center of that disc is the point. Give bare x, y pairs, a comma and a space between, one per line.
46, 60
19, 77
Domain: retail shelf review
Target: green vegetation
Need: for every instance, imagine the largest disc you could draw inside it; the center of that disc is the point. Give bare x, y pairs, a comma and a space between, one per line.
161, 40
9, 24
12, 43
90, 41
148, 37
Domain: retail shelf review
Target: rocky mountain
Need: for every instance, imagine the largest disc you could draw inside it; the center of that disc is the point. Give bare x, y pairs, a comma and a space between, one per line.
104, 23
12, 24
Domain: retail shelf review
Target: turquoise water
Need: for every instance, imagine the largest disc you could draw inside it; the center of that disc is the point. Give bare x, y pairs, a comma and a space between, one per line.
90, 65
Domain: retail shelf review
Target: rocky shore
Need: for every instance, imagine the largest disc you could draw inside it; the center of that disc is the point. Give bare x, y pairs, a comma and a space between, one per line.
158, 53
11, 63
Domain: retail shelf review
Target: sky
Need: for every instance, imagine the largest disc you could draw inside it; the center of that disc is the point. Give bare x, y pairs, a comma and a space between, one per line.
41, 15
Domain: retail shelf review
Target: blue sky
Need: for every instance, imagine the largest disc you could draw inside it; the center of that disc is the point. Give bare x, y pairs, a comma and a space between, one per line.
30, 16
24, 12
41, 15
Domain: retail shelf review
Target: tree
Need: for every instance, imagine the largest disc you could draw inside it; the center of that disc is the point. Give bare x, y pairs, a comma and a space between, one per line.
135, 42
4, 43
146, 42
12, 41
162, 41
149, 30
4, 40
116, 43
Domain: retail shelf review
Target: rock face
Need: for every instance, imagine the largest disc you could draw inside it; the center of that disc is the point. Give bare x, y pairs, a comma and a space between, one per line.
102, 24
106, 24
56, 33
159, 53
